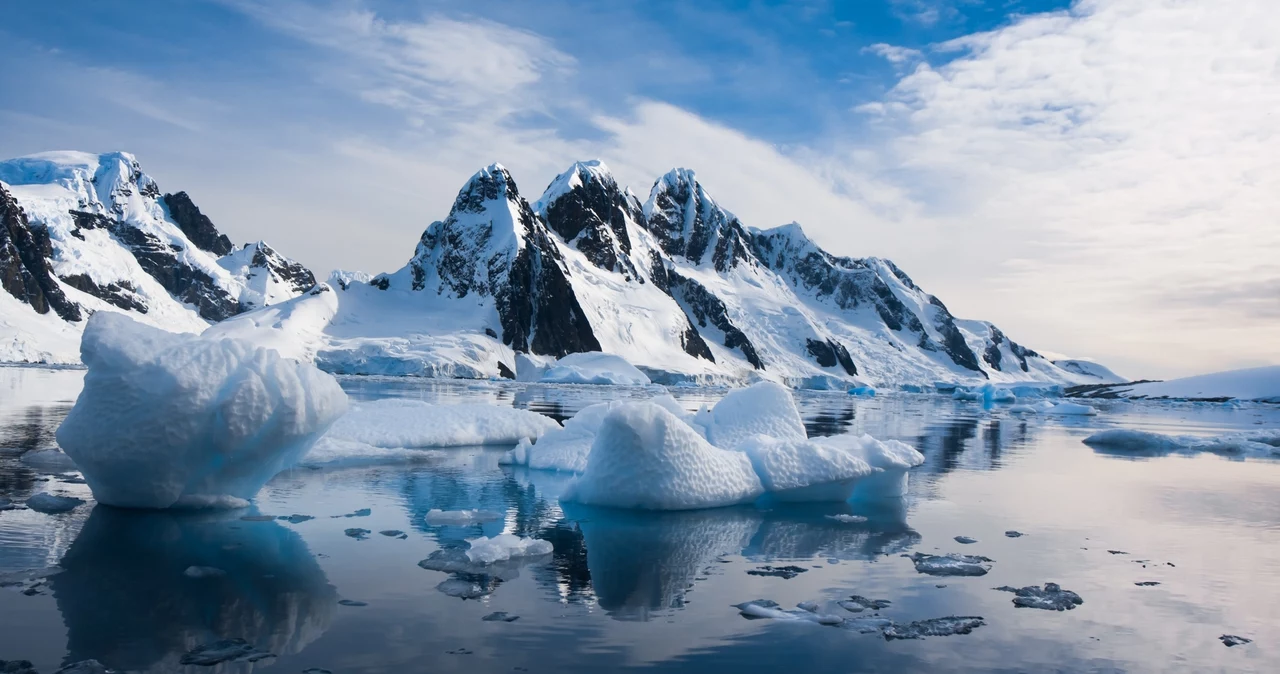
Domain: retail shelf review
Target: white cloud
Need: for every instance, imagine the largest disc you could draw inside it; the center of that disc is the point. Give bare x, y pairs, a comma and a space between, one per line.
1118, 153
894, 54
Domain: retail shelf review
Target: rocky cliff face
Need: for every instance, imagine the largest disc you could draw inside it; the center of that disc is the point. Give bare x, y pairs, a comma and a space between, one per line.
85, 233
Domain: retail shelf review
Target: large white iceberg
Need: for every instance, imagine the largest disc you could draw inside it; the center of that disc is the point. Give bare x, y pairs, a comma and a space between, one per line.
645, 457
653, 455
392, 423
592, 368
169, 419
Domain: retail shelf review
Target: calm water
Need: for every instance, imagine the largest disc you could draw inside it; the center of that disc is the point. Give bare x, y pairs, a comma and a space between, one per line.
632, 591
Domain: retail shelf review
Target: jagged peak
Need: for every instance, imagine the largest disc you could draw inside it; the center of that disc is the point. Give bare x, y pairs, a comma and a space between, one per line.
681, 185
577, 175
491, 183
68, 167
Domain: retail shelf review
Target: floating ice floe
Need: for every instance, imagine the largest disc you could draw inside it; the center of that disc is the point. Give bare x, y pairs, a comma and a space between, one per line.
863, 391
654, 455
393, 423
504, 547
766, 609
1261, 443
1050, 598
52, 504
950, 565
165, 419
1070, 409
1023, 409
933, 627
48, 461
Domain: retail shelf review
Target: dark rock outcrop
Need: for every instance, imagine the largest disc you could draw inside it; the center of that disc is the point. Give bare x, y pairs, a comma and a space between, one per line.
25, 268
831, 353
196, 225
705, 309
121, 294
592, 217
688, 223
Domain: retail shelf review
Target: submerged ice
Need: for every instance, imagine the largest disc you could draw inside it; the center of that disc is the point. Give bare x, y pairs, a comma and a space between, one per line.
169, 419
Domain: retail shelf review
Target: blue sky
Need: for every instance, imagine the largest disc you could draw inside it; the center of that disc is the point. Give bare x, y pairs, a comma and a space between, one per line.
1097, 178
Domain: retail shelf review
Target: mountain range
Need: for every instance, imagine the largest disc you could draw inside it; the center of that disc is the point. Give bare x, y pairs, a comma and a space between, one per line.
675, 284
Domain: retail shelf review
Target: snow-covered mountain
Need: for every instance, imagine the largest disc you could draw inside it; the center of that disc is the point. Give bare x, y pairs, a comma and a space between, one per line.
677, 285
83, 233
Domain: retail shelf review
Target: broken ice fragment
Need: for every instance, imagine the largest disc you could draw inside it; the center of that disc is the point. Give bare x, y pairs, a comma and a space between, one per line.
352, 602
461, 517
784, 572
1014, 534
858, 603
1050, 598
500, 616
394, 533
950, 565
1147, 583
848, 519
203, 572
1230, 640
463, 588
1117, 552
47, 503
965, 540
295, 519
357, 533
933, 627
363, 512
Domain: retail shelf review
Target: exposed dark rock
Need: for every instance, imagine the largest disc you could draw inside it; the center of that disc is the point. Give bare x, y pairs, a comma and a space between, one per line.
687, 222
297, 277
831, 353
121, 294
693, 343
491, 332
197, 226
161, 261
784, 572
1230, 640
706, 308
26, 270
592, 217
505, 372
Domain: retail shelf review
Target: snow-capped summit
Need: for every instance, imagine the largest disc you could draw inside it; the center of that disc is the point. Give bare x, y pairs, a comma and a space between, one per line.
93, 233
688, 223
588, 210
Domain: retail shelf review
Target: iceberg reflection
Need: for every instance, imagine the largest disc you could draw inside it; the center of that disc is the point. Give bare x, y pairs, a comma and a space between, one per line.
128, 601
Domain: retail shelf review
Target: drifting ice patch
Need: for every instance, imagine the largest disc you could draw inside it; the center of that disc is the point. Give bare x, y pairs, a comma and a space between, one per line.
165, 416
950, 565
50, 504
504, 547
645, 457
933, 627
847, 519
593, 368
1123, 440
1070, 409
395, 423
766, 609
1050, 598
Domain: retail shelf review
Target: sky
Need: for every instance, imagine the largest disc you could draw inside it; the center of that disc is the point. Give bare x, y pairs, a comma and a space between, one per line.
1099, 178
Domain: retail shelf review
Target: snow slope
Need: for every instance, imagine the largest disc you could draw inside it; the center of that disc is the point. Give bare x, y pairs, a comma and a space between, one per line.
1258, 384
84, 233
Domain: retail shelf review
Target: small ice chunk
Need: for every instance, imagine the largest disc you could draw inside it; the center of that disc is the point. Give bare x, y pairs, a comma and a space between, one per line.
1014, 534
1050, 598
858, 603
784, 572
164, 416
1071, 409
90, 666
464, 588
363, 512
950, 565
352, 603
1023, 409
50, 504
1127, 439
48, 461
867, 625
395, 423
933, 627
204, 572
500, 616
864, 391
965, 540
847, 519
1147, 583
7, 504
765, 609
461, 517
500, 548
1230, 640
357, 533
645, 457
295, 519
394, 533
593, 368
226, 650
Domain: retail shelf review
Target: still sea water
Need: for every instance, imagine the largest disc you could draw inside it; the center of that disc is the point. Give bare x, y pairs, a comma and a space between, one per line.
655, 592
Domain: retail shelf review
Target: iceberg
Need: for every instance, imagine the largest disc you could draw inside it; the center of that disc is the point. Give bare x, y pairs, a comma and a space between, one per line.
505, 547
592, 368
393, 423
645, 457
1264, 443
169, 419
1070, 409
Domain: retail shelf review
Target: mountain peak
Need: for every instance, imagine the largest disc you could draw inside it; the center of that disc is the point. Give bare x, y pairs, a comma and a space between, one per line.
577, 175
688, 222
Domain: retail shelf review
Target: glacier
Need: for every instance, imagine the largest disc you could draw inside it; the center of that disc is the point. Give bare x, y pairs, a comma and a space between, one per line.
170, 419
